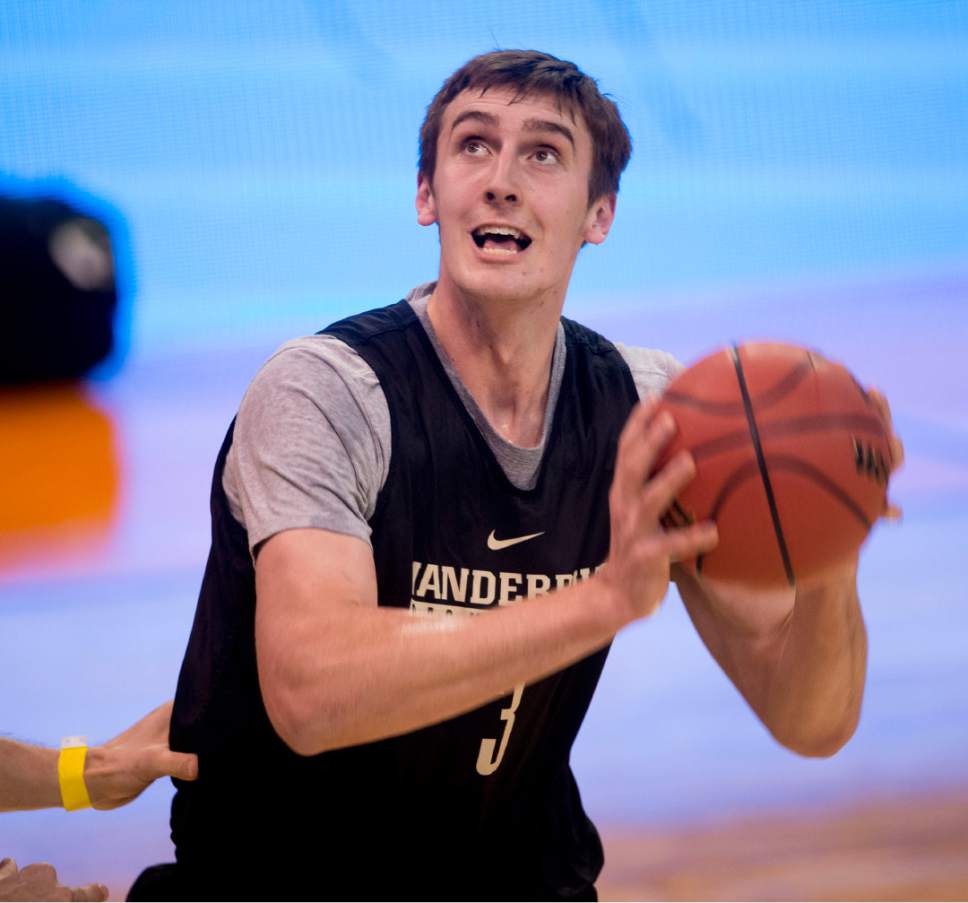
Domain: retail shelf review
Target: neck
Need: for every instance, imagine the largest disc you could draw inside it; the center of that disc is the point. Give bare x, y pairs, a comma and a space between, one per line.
502, 351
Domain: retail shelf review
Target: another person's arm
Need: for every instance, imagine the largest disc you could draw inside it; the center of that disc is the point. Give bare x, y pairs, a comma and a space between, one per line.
114, 773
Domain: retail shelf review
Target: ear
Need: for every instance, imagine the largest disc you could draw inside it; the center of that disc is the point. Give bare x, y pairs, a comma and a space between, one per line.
601, 215
426, 206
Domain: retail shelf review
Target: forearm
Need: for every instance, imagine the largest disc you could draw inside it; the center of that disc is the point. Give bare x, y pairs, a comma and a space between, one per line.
799, 659
114, 773
360, 674
814, 699
28, 777
336, 670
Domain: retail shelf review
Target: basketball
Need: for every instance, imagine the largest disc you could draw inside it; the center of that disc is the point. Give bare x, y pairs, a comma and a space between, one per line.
792, 462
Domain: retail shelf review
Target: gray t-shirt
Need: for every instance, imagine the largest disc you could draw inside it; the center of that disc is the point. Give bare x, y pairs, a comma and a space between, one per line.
311, 446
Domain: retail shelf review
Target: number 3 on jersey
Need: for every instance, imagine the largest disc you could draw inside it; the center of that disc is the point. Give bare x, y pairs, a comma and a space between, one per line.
487, 761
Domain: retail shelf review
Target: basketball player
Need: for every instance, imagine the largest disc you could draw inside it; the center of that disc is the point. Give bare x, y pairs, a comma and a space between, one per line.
429, 521
108, 776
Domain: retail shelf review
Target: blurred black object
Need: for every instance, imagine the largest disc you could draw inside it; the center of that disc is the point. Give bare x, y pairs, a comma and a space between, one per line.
57, 291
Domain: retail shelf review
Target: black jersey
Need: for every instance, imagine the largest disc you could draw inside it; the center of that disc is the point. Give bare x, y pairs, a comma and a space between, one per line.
483, 805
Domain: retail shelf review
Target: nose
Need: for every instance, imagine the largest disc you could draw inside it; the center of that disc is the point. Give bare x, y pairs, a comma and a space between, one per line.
500, 197
501, 186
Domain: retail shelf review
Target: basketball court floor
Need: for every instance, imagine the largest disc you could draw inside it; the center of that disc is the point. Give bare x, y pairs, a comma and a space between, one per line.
104, 536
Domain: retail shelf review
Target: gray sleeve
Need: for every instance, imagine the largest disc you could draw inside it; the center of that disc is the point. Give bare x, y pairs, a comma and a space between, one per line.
652, 370
311, 446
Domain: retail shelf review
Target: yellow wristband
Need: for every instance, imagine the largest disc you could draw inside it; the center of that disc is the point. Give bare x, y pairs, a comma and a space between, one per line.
70, 773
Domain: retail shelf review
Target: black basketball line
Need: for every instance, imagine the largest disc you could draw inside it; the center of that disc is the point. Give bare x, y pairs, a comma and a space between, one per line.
675, 517
816, 423
748, 470
777, 429
761, 463
684, 520
731, 483
763, 401
716, 408
686, 517
783, 462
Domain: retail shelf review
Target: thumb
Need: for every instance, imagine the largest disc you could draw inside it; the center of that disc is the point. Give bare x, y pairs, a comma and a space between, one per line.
174, 764
183, 765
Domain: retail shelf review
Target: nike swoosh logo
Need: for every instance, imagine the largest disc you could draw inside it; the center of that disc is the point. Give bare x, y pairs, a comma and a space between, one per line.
495, 544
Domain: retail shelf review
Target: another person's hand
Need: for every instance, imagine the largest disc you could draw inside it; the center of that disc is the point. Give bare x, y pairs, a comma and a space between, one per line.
39, 882
122, 768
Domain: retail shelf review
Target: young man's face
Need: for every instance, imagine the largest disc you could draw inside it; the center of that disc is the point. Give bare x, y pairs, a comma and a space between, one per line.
510, 196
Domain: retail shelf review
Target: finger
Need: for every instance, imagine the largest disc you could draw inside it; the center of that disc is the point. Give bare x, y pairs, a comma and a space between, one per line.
8, 868
688, 542
640, 449
39, 872
881, 403
893, 512
183, 766
630, 438
897, 452
91, 892
163, 762
894, 442
40, 880
660, 492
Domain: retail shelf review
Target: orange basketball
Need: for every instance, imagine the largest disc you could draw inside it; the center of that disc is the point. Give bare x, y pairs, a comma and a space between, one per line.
792, 462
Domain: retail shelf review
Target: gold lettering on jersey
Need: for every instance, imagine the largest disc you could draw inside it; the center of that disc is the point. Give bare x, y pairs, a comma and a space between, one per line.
538, 584
510, 585
430, 582
440, 590
487, 760
447, 588
483, 588
455, 587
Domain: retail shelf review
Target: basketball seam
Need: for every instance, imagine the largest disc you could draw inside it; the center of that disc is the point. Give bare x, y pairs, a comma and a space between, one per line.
778, 429
770, 397
784, 462
740, 475
761, 462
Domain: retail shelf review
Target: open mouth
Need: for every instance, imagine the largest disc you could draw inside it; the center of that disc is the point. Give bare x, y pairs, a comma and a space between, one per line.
503, 240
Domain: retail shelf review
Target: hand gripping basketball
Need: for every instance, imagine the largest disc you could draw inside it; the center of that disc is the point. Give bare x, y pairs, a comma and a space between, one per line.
793, 459
640, 549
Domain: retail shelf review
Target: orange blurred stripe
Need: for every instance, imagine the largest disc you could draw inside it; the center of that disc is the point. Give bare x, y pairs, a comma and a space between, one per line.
58, 461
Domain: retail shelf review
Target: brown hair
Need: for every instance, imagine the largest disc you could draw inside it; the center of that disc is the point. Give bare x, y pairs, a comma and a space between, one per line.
530, 72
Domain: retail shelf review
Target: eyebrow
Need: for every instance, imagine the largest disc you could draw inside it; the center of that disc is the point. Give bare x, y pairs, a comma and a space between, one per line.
545, 125
530, 125
476, 115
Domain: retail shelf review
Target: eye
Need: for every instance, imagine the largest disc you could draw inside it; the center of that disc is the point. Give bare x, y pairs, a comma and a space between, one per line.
474, 146
546, 156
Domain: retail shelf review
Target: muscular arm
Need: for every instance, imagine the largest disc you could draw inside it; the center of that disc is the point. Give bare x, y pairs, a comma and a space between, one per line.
335, 670
799, 659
